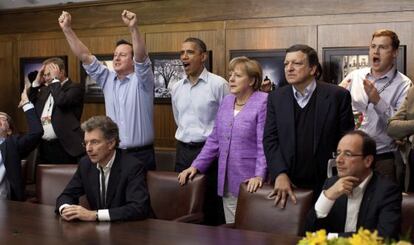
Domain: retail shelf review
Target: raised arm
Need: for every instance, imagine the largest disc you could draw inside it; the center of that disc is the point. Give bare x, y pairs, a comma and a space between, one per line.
138, 42
77, 47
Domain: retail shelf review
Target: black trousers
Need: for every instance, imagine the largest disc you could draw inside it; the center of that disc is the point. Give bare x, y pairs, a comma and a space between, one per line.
213, 204
411, 169
52, 152
145, 154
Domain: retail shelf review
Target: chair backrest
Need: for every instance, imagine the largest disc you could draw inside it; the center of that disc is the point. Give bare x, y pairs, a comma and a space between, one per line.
407, 215
171, 201
165, 160
51, 180
256, 212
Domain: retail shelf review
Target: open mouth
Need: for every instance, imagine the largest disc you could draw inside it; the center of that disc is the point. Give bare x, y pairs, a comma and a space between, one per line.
185, 64
376, 60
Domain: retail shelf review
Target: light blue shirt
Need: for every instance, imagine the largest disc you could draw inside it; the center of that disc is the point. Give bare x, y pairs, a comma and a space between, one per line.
195, 106
129, 102
304, 98
375, 117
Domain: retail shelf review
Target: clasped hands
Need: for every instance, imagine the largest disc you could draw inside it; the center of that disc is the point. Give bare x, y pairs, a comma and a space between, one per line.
72, 212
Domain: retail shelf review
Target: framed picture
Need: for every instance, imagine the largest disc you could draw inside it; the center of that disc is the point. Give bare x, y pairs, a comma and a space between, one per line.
93, 93
271, 60
30, 66
339, 62
168, 70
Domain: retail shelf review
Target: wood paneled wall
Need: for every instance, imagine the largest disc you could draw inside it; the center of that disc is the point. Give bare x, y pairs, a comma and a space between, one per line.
223, 25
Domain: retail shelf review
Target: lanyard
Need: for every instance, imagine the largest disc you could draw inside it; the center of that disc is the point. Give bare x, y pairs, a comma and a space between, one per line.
385, 85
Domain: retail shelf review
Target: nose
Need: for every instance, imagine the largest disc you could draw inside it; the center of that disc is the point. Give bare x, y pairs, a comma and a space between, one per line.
289, 67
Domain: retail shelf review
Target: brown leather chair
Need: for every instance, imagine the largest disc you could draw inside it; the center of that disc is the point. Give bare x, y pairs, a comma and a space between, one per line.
165, 160
256, 212
170, 201
407, 215
51, 180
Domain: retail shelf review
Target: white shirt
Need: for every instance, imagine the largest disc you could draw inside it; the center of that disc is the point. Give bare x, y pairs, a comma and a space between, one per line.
375, 117
324, 205
303, 99
195, 106
103, 214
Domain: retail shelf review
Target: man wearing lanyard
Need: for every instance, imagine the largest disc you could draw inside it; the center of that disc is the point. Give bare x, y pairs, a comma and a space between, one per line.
377, 92
128, 90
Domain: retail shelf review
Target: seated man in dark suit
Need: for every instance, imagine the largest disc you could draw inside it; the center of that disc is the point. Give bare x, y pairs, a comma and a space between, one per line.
13, 148
358, 196
114, 182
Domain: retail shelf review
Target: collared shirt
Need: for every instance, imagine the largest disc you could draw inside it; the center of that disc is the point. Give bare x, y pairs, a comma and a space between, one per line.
195, 106
129, 102
4, 183
304, 98
103, 214
46, 117
375, 117
324, 205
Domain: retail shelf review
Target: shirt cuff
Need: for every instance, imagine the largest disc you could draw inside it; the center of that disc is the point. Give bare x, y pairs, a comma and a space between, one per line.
381, 107
28, 106
62, 207
323, 206
332, 236
146, 61
103, 215
55, 80
35, 84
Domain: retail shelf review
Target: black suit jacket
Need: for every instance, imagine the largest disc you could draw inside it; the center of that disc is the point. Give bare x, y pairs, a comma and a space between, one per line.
127, 195
17, 147
333, 118
380, 209
66, 113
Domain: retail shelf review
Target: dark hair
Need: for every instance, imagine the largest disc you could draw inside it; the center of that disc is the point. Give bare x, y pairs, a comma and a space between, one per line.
57, 61
9, 121
395, 42
105, 124
32, 75
312, 57
123, 41
369, 147
251, 67
200, 44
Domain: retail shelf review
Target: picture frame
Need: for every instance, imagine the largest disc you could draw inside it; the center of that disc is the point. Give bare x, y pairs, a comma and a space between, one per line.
94, 93
271, 60
168, 70
30, 65
340, 61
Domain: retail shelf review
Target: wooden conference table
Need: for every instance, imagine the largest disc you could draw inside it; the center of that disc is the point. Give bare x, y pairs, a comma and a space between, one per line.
28, 223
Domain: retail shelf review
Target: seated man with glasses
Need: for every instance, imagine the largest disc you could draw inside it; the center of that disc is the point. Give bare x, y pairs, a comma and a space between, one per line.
358, 196
113, 181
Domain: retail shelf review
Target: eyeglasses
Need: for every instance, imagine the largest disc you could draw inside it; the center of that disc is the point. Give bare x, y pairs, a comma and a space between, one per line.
91, 143
345, 154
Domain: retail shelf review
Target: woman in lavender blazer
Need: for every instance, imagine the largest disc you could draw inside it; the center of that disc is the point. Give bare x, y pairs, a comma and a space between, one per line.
237, 136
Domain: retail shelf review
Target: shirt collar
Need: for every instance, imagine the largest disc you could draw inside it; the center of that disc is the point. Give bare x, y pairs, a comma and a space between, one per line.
108, 165
387, 75
306, 93
362, 186
127, 77
2, 140
64, 81
203, 77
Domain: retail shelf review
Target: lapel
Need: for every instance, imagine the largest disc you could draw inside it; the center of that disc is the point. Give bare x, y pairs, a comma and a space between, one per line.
3, 150
93, 178
114, 178
342, 203
366, 200
42, 97
321, 112
287, 119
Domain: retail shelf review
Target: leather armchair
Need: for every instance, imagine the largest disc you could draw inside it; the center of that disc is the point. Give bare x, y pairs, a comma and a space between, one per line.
170, 201
407, 215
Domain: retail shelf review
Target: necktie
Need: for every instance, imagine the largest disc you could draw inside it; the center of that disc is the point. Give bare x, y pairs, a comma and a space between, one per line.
103, 188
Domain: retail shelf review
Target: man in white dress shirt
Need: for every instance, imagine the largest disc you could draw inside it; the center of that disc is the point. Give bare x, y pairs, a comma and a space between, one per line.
357, 197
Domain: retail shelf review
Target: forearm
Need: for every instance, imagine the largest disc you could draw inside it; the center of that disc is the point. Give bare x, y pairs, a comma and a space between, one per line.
138, 44
77, 47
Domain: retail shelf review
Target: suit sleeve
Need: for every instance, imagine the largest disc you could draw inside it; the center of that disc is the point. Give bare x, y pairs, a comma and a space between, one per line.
275, 162
72, 191
67, 98
346, 121
28, 142
389, 217
399, 126
137, 200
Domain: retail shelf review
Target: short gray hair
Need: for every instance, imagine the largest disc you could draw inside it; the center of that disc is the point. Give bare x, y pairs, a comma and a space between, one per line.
105, 124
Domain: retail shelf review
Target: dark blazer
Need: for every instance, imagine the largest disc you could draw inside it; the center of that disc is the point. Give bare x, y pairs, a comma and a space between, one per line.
66, 114
17, 147
333, 118
380, 209
127, 195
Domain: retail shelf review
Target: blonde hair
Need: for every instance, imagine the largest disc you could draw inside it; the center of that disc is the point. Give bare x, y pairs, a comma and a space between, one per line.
251, 67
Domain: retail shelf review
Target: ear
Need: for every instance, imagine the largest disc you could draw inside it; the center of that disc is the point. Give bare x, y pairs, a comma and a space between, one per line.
313, 70
204, 56
368, 160
395, 53
112, 144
